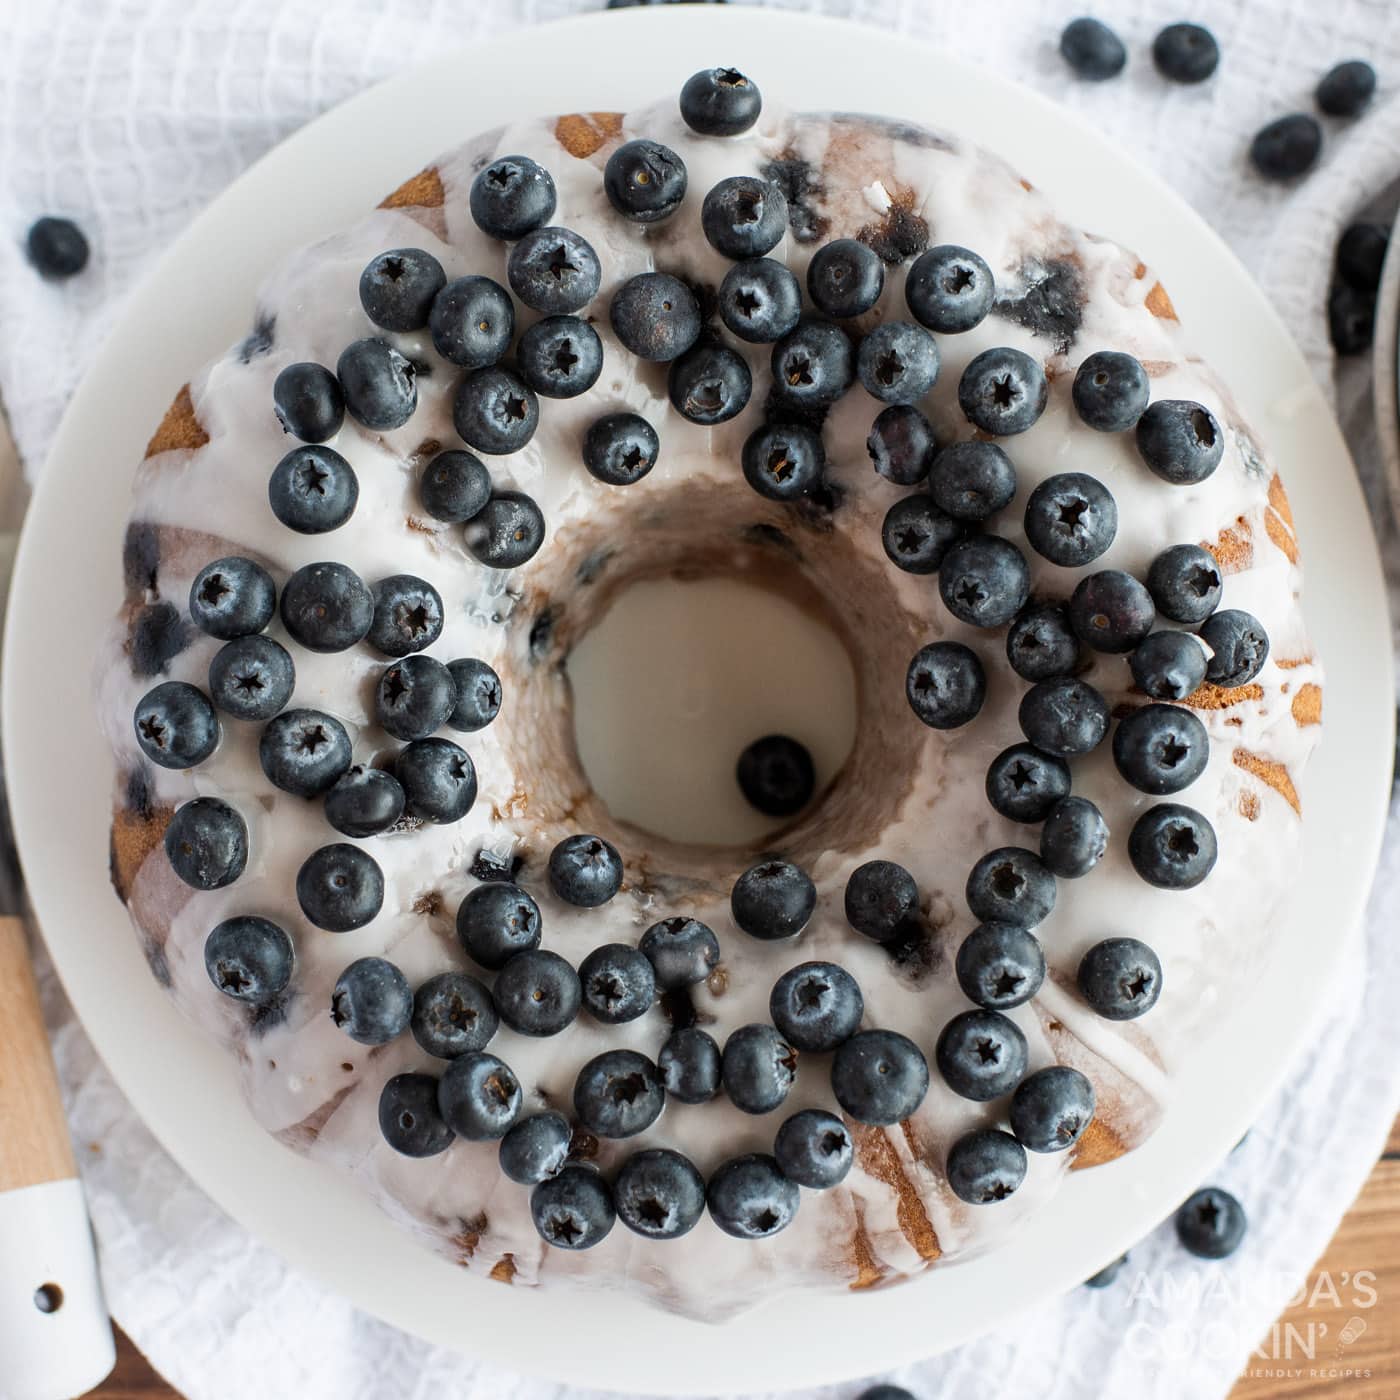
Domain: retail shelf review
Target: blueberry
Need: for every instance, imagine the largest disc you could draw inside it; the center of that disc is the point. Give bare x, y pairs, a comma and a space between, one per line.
1120, 978
981, 1055
496, 921
454, 486
1346, 89
1093, 50
618, 983
1000, 966
537, 993
397, 288
1003, 391
438, 780
1240, 644
898, 362
1111, 391
1180, 441
249, 959
879, 1077
620, 448
709, 383
1351, 319
232, 597
585, 870
1041, 644
1169, 665
972, 480
409, 1120
1111, 611
812, 365
773, 899
690, 1065
1361, 256
757, 1068
308, 403
536, 1148
816, 1006
1186, 53
511, 197
659, 1194
655, 316
1064, 716
1185, 583
901, 443
720, 102
1074, 838
340, 887
1011, 886
495, 411
1051, 1108
304, 752
845, 278
1071, 519
882, 900
327, 607
681, 951
886, 1392
776, 775
760, 300
744, 216
414, 697
984, 581
176, 726
783, 461
479, 1097
644, 181
560, 357
1107, 1274
1211, 1223
1023, 783
371, 1002
949, 289
1161, 749
252, 678
206, 843
985, 1166
1172, 846
452, 1014
750, 1198
554, 271
507, 532
1288, 147
379, 384
478, 694
57, 248
573, 1210
917, 534
472, 322
618, 1094
313, 489
407, 615
814, 1149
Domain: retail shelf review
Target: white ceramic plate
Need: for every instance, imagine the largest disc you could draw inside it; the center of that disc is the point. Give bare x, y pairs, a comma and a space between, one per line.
1385, 369
60, 772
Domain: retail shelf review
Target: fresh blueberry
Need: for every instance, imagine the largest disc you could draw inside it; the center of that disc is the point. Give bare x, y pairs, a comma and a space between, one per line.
618, 983
249, 959
783, 461
1351, 319
495, 411
981, 1055
1240, 644
438, 780
1051, 1108
1345, 90
379, 384
985, 1166
1361, 256
479, 1096
496, 921
879, 1077
1111, 391
744, 216
397, 288
232, 597
814, 1149
917, 534
644, 181
1288, 147
340, 887
1023, 783
776, 775
472, 322
304, 752
812, 365
949, 289
773, 900
720, 102
537, 993
901, 443
882, 900
1074, 838
1172, 846
409, 1120
554, 271
176, 726
886, 1392
560, 357
252, 678
1107, 1274
453, 1014
618, 1094
478, 694
57, 248
1185, 583
1093, 50
1161, 749
585, 870
1120, 978
414, 697
709, 383
681, 951
845, 278
972, 480
1071, 519
659, 1194
1111, 611
327, 607
1186, 53
536, 1148
364, 802
898, 362
750, 1198
757, 1068
1169, 665
1064, 716
690, 1065
1211, 1223
313, 489
984, 581
454, 486
308, 403
407, 615
655, 316
1041, 644
1000, 966
507, 532
760, 300
1003, 391
372, 1002
1180, 441
1011, 886
511, 197
620, 448
817, 1006
574, 1209
206, 843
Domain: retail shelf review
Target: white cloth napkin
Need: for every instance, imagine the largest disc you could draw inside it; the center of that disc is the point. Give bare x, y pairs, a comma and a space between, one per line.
132, 114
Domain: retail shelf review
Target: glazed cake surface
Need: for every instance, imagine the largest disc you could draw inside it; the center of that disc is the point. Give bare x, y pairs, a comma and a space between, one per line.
908, 793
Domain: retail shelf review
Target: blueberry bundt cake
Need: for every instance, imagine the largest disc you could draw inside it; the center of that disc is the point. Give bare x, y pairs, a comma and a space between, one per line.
844, 357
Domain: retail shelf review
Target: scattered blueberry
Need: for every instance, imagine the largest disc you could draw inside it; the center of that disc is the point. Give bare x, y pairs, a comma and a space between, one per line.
898, 362
618, 983
1185, 583
327, 607
949, 289
916, 533
1169, 665
1023, 783
57, 248
744, 216
453, 1014
249, 959
507, 532
760, 300
776, 775
972, 480
814, 1149
496, 921
981, 1055
397, 288
1211, 1223
438, 780
308, 403
984, 581
1111, 391
690, 1065
371, 1002
750, 1198
206, 842
1011, 886
681, 951
1111, 611
472, 322
1064, 716
304, 752
655, 316
1361, 255
409, 1120
773, 899
585, 870
414, 697
1186, 53
1161, 749
817, 1006
659, 1194
1092, 49
1240, 644
536, 1148
1120, 978
1288, 147
1051, 1108
1041, 644
1071, 519
232, 597
340, 887
620, 448
901, 443
1074, 838
882, 900
1107, 1274
1172, 846
454, 486
1346, 89
644, 181
812, 365
1180, 441
479, 1097
511, 197
1000, 966
176, 726
709, 383
985, 1166
618, 1094
537, 993
720, 102
1351, 319
879, 1077
554, 271
478, 694
495, 411
886, 1392
252, 678
783, 461
1003, 391
560, 357
313, 489
379, 384
573, 1210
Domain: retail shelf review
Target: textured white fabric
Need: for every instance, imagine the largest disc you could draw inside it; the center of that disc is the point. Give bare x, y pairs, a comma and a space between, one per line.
131, 116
